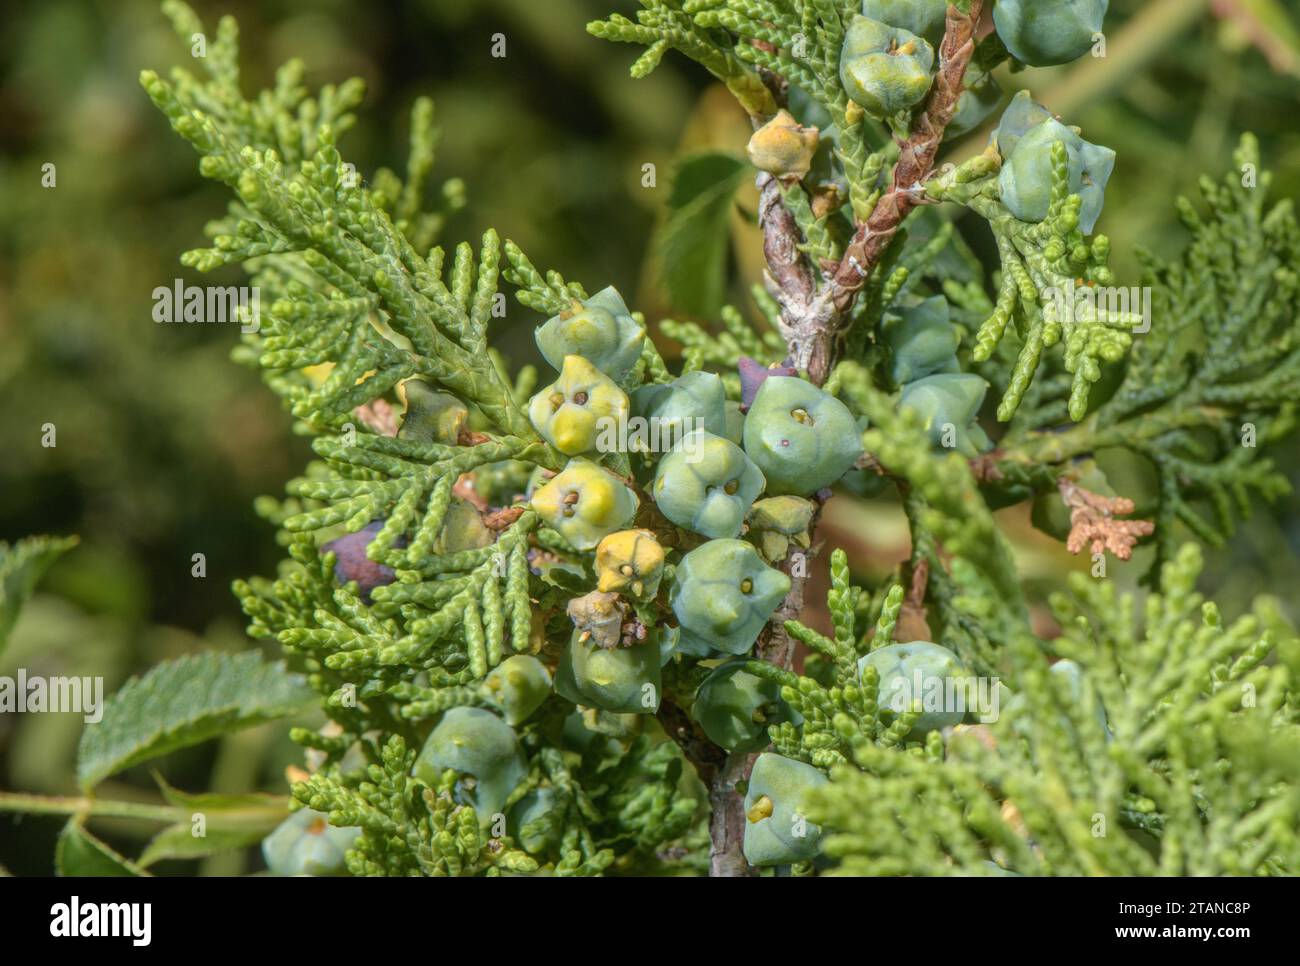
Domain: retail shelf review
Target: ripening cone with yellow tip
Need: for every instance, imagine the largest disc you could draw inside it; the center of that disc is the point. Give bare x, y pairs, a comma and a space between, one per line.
783, 146
572, 412
629, 562
884, 69
585, 503
600, 329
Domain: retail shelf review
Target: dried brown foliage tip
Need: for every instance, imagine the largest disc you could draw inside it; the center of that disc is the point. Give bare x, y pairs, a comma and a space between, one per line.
1093, 522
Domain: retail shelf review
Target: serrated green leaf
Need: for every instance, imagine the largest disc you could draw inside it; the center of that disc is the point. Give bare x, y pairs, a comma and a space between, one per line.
22, 565
694, 240
183, 702
79, 853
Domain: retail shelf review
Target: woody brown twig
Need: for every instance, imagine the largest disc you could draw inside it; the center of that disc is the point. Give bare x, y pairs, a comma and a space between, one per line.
814, 321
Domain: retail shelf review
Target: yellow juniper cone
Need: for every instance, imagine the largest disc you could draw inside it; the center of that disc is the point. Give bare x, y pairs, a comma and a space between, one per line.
585, 503
783, 147
630, 562
574, 411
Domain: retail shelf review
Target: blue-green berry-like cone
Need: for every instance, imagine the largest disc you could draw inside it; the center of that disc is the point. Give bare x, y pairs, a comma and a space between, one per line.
722, 596
1026, 180
624, 680
979, 98
735, 422
518, 686
306, 843
925, 18
1070, 672
707, 484
1021, 115
477, 743
884, 69
917, 672
600, 329
536, 821
922, 340
803, 439
947, 404
735, 708
1073, 676
1043, 33
776, 832
696, 400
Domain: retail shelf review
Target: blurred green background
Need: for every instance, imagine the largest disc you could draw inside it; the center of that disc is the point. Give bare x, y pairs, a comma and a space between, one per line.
163, 443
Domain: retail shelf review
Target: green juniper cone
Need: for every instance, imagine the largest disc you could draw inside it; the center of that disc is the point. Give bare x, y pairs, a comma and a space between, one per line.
696, 400
722, 596
479, 745
624, 680
947, 404
910, 673
922, 340
735, 707
516, 633
306, 844
518, 686
884, 69
707, 484
1043, 33
777, 831
1027, 179
800, 437
599, 330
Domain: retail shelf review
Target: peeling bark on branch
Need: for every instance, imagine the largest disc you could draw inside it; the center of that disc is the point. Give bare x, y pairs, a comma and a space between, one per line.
915, 159
814, 322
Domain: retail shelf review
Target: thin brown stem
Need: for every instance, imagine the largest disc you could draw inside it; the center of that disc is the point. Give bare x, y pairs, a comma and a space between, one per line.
814, 321
915, 160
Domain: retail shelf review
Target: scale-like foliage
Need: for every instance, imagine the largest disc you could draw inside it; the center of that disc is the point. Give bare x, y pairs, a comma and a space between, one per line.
1218, 375
560, 647
1175, 754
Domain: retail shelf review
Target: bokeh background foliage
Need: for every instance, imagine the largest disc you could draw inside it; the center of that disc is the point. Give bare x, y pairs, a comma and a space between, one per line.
164, 445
